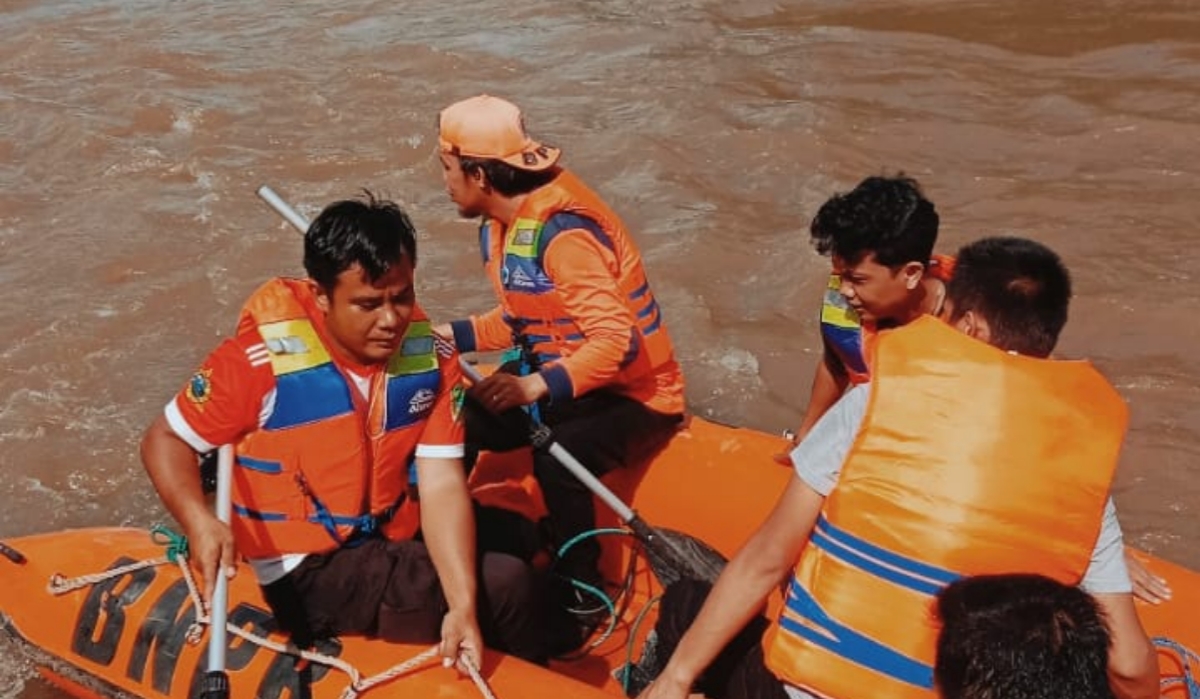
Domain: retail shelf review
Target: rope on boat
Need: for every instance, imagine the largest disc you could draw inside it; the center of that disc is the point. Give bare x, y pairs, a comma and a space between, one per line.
177, 553
1186, 659
60, 585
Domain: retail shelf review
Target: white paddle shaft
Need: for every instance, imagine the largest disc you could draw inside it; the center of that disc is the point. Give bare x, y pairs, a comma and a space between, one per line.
220, 601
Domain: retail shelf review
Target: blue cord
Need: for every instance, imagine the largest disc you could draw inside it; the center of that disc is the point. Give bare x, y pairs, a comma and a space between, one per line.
1186, 657
609, 603
562, 550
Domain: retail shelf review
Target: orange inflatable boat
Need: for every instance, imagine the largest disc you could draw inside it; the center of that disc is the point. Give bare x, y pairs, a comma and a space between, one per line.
128, 631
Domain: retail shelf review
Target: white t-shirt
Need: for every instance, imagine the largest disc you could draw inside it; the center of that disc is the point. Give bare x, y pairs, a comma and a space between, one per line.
818, 462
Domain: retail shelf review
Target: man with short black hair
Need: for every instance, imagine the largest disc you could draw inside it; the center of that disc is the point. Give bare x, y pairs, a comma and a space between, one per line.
336, 396
1020, 636
879, 237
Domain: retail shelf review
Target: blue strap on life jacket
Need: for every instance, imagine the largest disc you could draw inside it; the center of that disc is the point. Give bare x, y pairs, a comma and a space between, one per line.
848, 643
822, 630
365, 526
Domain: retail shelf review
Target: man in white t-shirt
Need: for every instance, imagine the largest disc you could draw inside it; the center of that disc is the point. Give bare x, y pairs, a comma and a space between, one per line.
943, 506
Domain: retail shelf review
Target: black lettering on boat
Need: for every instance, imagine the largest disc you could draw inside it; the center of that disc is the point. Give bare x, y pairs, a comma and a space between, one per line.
282, 675
164, 631
238, 652
102, 616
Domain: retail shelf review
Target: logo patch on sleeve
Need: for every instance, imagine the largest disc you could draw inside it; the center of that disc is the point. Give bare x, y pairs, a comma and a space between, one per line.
457, 395
199, 388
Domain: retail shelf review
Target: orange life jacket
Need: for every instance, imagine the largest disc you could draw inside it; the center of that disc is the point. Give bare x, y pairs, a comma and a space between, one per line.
541, 325
326, 465
843, 332
969, 461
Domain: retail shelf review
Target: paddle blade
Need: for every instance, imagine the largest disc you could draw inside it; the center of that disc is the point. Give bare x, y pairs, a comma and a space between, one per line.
674, 555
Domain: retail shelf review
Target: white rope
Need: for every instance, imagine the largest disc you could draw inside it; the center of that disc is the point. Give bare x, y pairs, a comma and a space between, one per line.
59, 585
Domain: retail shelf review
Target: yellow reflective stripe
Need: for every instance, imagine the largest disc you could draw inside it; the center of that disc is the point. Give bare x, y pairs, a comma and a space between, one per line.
523, 237
294, 346
417, 354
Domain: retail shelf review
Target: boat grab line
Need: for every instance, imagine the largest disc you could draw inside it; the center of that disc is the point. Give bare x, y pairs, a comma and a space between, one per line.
60, 584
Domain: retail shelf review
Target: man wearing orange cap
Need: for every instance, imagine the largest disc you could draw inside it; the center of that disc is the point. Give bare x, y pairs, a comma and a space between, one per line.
594, 360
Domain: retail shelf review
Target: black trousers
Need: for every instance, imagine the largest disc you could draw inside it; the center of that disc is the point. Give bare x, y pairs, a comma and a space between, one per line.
603, 431
390, 590
740, 671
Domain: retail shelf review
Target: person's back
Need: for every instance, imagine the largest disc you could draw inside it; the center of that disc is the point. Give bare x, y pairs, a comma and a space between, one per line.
1020, 636
967, 454
961, 457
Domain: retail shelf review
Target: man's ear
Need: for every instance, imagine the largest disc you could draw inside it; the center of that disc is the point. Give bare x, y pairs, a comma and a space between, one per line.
976, 326
480, 180
319, 293
912, 272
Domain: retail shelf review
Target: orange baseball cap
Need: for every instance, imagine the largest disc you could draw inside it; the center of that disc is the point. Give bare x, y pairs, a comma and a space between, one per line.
490, 127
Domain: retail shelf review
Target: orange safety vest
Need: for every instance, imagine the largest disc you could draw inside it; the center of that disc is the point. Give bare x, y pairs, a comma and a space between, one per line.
969, 461
326, 465
533, 308
844, 333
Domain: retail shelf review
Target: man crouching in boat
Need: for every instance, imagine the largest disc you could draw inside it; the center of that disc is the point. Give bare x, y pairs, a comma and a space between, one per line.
335, 392
968, 453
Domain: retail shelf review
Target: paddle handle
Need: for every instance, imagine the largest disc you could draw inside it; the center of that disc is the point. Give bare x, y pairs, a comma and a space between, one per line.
216, 681
283, 208
541, 436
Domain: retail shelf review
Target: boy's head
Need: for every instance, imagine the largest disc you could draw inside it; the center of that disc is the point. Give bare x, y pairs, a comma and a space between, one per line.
881, 236
1020, 637
1009, 292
